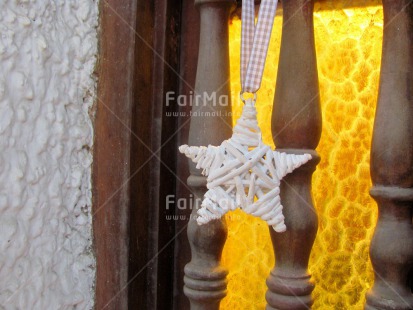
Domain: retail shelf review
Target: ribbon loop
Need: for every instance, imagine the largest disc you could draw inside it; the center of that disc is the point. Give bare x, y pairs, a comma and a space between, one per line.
251, 96
254, 42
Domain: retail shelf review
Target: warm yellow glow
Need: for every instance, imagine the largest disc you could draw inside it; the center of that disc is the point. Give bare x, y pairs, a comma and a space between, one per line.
348, 43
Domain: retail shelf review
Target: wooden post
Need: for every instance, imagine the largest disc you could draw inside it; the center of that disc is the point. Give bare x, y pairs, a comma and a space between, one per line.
296, 129
391, 250
205, 279
111, 152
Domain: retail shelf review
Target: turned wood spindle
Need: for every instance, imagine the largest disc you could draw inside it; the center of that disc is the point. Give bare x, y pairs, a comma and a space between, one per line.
205, 279
296, 129
391, 250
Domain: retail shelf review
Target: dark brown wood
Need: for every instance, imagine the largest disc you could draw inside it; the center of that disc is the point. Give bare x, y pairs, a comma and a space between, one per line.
205, 283
296, 129
188, 62
153, 159
111, 166
391, 250
140, 293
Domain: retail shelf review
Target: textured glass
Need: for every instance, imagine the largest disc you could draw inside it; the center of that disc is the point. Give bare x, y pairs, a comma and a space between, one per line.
348, 43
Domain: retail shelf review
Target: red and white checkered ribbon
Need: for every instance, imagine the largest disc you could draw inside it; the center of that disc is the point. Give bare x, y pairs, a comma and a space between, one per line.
254, 42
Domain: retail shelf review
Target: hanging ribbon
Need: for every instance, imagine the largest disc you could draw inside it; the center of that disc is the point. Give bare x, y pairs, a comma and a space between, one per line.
254, 42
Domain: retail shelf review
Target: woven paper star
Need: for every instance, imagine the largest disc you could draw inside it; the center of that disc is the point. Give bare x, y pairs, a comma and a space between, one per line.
243, 173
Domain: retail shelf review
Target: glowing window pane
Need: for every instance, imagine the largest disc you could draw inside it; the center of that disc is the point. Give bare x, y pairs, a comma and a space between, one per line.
348, 43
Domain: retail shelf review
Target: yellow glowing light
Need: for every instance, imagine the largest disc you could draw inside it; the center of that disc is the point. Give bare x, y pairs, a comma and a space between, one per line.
348, 43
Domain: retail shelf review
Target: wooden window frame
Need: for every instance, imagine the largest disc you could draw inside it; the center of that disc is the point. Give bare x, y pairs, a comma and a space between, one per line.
146, 48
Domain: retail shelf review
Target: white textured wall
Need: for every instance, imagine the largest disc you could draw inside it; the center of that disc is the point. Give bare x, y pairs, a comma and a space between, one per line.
47, 56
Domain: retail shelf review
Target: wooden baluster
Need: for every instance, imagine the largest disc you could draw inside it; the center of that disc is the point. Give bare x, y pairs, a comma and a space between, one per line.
296, 129
391, 250
205, 279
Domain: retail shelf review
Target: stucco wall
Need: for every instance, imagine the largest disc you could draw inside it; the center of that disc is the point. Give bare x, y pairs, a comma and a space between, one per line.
47, 57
